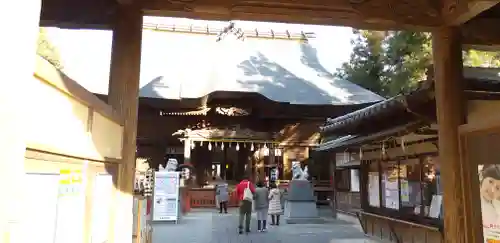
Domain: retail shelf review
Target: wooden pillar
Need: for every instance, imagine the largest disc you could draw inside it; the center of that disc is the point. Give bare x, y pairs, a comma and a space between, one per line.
234, 162
333, 168
226, 163
249, 170
123, 97
287, 164
187, 151
448, 70
18, 48
195, 158
272, 158
261, 167
364, 169
242, 162
157, 157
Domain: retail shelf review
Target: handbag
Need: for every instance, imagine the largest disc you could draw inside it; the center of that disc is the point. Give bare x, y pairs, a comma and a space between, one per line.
247, 193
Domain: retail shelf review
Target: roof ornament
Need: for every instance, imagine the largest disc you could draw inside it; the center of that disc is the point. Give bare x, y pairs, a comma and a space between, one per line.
238, 32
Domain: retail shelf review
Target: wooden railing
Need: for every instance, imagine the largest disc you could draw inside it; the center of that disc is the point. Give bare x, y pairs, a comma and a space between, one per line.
202, 198
398, 234
205, 198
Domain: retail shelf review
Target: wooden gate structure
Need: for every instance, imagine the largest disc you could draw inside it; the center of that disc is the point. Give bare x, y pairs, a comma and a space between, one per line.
453, 23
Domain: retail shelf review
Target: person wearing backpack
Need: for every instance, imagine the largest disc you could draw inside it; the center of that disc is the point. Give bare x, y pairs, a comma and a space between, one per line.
245, 191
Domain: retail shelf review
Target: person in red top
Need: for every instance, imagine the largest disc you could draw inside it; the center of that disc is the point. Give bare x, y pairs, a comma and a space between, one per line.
245, 205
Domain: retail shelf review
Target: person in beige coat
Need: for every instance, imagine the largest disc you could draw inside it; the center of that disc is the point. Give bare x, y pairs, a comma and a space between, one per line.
275, 209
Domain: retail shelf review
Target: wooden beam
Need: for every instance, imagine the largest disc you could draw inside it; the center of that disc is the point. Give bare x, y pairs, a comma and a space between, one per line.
478, 33
457, 12
374, 14
18, 63
125, 2
123, 97
447, 52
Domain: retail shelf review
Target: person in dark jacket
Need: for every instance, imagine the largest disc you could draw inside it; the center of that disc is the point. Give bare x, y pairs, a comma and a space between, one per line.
221, 194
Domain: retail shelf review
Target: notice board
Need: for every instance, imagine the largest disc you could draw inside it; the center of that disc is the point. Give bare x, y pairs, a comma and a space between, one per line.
166, 196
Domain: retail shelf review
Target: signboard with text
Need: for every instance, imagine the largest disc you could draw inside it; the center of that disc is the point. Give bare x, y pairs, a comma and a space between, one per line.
166, 196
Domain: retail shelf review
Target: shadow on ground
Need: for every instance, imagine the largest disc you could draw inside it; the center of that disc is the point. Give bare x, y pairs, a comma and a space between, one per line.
208, 226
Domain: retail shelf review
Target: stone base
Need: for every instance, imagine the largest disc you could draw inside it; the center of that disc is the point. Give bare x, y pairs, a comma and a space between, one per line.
302, 212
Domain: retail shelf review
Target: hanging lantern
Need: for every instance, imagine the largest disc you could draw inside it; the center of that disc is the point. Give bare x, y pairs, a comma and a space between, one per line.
251, 147
237, 146
384, 154
192, 145
403, 145
209, 146
222, 146
265, 150
360, 153
201, 143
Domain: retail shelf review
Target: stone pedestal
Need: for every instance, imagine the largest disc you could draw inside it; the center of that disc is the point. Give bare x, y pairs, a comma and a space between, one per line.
300, 206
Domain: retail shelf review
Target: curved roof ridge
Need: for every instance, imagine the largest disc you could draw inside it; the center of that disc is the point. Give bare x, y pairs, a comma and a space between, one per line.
362, 113
214, 29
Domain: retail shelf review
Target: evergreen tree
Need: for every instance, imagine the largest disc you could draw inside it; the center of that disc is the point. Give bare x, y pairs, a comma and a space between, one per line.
389, 63
366, 66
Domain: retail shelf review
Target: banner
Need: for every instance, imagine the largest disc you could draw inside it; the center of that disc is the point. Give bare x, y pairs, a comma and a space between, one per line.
373, 189
489, 189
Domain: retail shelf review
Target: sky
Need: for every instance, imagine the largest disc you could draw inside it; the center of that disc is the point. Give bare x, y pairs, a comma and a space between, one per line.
83, 50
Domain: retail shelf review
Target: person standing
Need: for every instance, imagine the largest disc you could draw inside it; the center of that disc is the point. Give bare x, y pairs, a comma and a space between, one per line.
261, 206
275, 208
245, 192
222, 194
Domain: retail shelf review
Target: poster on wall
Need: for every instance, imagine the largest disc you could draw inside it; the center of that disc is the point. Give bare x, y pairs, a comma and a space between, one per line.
70, 206
373, 189
101, 206
436, 206
489, 189
391, 192
166, 196
42, 223
355, 187
405, 191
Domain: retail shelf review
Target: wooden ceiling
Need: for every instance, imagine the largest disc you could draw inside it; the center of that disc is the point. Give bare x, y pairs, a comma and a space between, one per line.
478, 18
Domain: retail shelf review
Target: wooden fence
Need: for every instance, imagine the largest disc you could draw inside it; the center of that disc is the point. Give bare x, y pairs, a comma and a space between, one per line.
205, 197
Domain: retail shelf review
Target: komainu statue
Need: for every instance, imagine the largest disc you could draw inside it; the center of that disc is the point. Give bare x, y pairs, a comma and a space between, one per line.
298, 173
171, 165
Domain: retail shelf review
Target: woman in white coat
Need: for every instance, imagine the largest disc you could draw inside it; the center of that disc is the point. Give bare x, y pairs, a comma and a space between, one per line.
275, 209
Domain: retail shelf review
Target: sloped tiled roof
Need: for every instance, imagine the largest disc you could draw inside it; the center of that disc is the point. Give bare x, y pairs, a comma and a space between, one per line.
177, 66
475, 80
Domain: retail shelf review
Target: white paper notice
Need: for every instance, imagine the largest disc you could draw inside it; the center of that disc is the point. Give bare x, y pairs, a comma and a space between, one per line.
166, 196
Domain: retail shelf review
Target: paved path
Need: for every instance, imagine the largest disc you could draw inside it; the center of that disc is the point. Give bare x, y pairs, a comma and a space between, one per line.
206, 226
